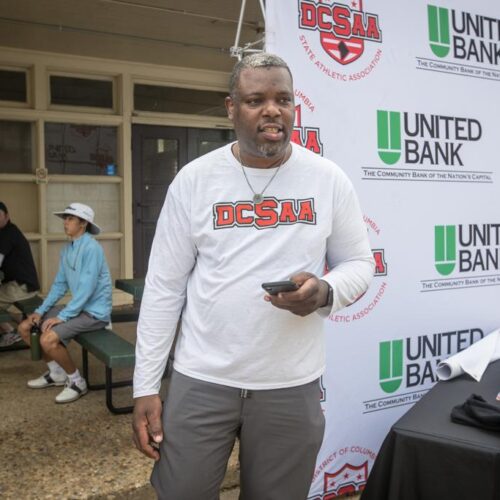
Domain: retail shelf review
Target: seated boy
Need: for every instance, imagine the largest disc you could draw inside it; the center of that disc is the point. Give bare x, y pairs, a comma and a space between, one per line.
84, 271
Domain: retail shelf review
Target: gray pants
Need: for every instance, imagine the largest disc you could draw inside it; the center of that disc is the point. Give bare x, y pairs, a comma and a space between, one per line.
280, 435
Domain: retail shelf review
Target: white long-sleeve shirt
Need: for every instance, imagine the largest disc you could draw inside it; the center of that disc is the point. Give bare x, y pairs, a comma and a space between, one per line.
212, 250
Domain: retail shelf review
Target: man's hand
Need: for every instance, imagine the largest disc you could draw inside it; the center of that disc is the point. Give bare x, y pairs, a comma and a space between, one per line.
48, 324
34, 318
147, 427
311, 295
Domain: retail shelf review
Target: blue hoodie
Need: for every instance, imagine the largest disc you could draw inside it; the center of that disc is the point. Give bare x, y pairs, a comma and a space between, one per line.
84, 271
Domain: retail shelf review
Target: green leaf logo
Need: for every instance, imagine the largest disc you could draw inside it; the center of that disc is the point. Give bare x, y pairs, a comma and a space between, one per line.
389, 136
439, 30
391, 365
445, 248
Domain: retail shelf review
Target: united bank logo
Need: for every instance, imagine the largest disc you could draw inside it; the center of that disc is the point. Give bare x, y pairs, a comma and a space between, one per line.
343, 30
445, 249
439, 30
424, 139
412, 362
407, 366
462, 40
426, 147
466, 248
465, 256
389, 136
391, 365
470, 37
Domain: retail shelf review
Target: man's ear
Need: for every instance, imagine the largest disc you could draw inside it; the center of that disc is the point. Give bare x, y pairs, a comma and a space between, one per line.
229, 107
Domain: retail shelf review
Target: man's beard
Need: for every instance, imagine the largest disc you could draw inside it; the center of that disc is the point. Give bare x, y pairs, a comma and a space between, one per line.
269, 150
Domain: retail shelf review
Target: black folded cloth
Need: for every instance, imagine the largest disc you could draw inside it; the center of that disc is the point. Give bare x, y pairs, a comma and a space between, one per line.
476, 411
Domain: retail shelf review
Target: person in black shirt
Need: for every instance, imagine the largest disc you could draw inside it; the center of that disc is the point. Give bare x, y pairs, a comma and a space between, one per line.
19, 280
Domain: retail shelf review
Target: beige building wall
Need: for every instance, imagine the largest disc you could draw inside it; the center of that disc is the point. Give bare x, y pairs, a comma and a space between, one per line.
32, 197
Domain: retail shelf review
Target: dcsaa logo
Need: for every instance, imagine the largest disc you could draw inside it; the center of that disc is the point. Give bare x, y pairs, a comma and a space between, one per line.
343, 30
308, 137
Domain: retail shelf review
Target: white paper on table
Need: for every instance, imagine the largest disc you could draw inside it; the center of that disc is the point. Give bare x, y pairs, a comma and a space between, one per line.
472, 360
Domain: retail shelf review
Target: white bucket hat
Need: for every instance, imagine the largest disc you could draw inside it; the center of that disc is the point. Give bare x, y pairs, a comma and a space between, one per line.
82, 211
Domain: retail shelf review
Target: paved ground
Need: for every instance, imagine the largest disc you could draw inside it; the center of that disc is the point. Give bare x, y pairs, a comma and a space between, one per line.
77, 450
73, 451
147, 493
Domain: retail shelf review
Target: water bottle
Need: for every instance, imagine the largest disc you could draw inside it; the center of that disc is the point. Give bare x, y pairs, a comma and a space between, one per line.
36, 350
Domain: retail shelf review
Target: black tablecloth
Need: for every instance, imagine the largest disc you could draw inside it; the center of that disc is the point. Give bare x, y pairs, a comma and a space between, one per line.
426, 456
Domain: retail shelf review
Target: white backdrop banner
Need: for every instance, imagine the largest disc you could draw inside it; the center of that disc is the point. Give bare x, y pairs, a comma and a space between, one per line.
404, 97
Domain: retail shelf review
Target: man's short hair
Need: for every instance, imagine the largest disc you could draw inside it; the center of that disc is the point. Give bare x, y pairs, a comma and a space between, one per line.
3, 207
257, 60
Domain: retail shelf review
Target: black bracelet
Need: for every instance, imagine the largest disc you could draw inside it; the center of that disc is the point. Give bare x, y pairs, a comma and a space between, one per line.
329, 295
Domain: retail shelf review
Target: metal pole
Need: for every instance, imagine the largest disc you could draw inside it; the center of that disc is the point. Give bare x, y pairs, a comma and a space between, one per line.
263, 9
235, 49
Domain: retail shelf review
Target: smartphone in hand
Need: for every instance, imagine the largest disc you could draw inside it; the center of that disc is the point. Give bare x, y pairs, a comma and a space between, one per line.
275, 287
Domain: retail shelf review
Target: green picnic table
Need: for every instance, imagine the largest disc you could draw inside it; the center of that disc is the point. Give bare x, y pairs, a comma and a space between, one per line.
135, 287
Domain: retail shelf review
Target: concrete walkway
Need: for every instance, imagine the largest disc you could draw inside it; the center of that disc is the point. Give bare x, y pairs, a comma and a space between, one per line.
76, 450
73, 451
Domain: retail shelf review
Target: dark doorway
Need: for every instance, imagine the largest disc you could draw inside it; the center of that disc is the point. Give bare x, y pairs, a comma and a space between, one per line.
158, 153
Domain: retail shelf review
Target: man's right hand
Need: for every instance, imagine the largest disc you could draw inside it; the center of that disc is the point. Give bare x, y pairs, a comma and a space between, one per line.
34, 318
147, 426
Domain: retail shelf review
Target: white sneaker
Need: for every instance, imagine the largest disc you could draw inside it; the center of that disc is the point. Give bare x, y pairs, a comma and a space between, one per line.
9, 338
46, 380
72, 391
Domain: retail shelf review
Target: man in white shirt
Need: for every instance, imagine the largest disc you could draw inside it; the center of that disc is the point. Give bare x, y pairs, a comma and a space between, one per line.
247, 363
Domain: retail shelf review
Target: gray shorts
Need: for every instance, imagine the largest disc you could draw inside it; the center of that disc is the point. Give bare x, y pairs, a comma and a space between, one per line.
280, 433
67, 330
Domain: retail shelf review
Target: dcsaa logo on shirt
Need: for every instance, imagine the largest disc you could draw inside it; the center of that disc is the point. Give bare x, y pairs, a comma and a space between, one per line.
270, 213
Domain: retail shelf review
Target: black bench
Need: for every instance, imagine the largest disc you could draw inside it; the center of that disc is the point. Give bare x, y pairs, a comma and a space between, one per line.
115, 352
